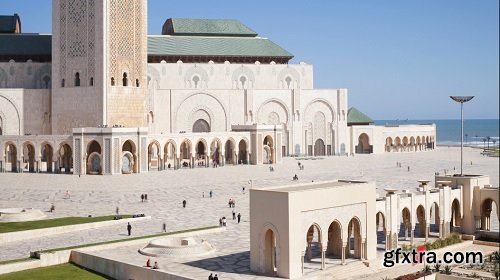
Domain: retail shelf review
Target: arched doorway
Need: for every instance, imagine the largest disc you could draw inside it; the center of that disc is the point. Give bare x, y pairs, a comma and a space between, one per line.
354, 239
319, 148
334, 245
29, 157
47, 158
405, 226
201, 153
363, 146
154, 156
456, 216
230, 152
65, 158
434, 220
489, 209
242, 152
268, 150
270, 264
314, 247
169, 155
215, 150
398, 144
381, 230
11, 157
388, 144
201, 126
94, 158
129, 157
185, 156
405, 144
421, 228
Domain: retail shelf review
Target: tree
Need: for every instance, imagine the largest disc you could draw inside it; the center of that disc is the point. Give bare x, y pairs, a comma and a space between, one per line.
488, 138
466, 137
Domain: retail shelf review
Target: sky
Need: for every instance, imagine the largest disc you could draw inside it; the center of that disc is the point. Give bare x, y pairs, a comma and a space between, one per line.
398, 59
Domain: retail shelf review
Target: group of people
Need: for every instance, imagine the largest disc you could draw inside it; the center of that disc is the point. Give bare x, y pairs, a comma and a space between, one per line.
144, 197
237, 216
222, 222
301, 166
212, 277
155, 266
295, 177
271, 169
232, 203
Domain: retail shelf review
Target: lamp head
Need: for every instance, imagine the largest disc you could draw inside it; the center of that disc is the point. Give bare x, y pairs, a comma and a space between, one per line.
461, 99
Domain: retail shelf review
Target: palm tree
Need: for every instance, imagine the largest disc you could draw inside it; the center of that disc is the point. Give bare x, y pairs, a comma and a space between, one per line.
484, 143
447, 270
488, 138
494, 141
466, 138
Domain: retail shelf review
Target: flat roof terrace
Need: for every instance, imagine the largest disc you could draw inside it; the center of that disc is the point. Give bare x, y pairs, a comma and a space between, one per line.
313, 186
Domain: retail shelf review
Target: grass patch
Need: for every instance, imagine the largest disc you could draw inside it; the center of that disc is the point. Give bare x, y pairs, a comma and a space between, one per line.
57, 272
16, 261
125, 239
59, 222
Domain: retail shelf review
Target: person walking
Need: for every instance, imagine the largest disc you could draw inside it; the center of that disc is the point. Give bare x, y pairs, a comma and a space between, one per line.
211, 277
211, 193
239, 217
129, 229
215, 277
117, 211
184, 203
234, 215
146, 197
224, 221
244, 188
164, 227
142, 197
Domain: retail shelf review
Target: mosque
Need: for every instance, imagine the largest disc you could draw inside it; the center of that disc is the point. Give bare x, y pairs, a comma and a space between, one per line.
100, 96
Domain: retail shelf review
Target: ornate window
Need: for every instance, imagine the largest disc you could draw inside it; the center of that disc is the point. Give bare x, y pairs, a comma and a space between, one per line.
288, 81
243, 80
196, 80
77, 79
125, 79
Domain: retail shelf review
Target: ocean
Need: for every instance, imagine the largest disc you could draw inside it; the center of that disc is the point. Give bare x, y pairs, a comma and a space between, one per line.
448, 131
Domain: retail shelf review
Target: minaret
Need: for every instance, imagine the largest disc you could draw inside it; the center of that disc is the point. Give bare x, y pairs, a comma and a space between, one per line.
99, 64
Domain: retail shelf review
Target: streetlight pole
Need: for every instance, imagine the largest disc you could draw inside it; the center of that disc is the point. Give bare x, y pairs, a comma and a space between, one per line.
461, 100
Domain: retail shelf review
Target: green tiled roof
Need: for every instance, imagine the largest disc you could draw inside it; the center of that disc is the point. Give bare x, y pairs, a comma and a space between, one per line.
25, 44
355, 116
214, 46
206, 27
35, 44
8, 23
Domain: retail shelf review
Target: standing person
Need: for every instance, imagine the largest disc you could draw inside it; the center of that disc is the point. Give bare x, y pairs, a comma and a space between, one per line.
211, 277
203, 195
117, 211
184, 203
224, 221
215, 277
164, 227
129, 229
408, 168
234, 215
220, 222
239, 217
244, 188
142, 197
146, 197
211, 193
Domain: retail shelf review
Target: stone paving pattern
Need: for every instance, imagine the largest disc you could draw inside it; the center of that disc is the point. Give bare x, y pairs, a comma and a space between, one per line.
100, 195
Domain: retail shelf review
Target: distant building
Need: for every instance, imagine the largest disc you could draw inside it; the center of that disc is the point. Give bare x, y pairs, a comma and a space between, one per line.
100, 96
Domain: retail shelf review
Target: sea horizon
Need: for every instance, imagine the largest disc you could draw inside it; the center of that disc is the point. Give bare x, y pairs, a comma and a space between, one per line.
476, 131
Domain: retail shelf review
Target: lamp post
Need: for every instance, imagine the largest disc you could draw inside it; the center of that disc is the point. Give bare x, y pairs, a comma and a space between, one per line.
461, 100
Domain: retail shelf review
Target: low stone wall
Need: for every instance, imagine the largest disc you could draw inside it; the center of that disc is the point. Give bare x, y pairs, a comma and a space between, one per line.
18, 266
121, 270
65, 256
36, 233
440, 276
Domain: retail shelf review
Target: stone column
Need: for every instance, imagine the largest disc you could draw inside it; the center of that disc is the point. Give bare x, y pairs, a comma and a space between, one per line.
248, 157
406, 233
302, 256
412, 236
322, 258
427, 229
344, 248
363, 253
309, 250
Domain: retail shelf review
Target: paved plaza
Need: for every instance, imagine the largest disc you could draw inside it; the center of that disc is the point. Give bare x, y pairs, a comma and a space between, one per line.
100, 195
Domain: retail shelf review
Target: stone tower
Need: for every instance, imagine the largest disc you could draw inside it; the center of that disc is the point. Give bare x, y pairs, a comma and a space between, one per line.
99, 64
